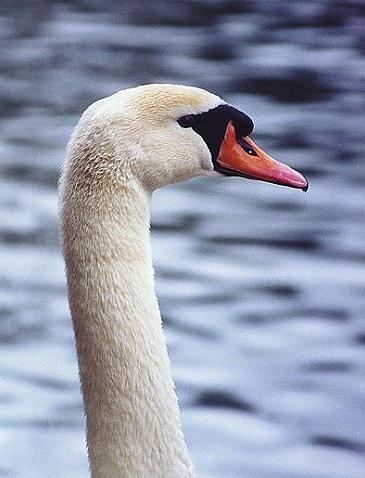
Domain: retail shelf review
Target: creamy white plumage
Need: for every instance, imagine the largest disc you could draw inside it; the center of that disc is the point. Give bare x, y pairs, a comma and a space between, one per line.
124, 147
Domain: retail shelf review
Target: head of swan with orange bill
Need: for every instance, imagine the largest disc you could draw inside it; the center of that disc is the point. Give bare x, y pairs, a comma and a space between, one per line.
226, 132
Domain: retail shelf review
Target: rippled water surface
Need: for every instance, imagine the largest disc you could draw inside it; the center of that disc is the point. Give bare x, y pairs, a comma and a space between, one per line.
262, 288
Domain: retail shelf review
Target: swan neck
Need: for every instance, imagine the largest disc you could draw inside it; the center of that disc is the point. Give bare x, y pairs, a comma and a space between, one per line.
132, 416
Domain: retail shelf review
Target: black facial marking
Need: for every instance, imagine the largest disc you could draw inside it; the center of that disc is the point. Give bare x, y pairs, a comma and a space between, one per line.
212, 125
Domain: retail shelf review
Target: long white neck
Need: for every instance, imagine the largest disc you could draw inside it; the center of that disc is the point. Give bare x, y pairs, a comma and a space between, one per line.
133, 423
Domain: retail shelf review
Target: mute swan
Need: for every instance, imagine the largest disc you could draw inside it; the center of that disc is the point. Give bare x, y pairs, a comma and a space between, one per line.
123, 148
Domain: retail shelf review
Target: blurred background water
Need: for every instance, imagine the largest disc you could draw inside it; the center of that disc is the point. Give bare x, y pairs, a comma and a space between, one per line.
262, 288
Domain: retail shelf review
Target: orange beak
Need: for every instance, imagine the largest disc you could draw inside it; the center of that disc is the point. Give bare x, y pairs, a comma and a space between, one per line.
242, 157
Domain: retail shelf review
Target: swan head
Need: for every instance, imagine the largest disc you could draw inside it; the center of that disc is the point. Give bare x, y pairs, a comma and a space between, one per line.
162, 134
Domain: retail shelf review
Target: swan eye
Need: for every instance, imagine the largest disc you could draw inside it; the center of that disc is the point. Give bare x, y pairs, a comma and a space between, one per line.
186, 121
247, 147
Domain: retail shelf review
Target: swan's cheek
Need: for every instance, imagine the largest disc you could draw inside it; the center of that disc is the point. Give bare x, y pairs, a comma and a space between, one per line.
207, 163
202, 154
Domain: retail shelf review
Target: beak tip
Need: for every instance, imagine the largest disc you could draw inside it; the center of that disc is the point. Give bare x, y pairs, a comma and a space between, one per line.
305, 188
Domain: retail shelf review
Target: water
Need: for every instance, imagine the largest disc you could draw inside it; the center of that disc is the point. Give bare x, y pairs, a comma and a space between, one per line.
261, 287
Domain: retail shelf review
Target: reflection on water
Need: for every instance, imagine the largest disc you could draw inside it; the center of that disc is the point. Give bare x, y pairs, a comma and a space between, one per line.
261, 288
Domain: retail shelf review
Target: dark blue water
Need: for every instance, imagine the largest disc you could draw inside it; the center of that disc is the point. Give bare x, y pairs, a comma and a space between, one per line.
262, 288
